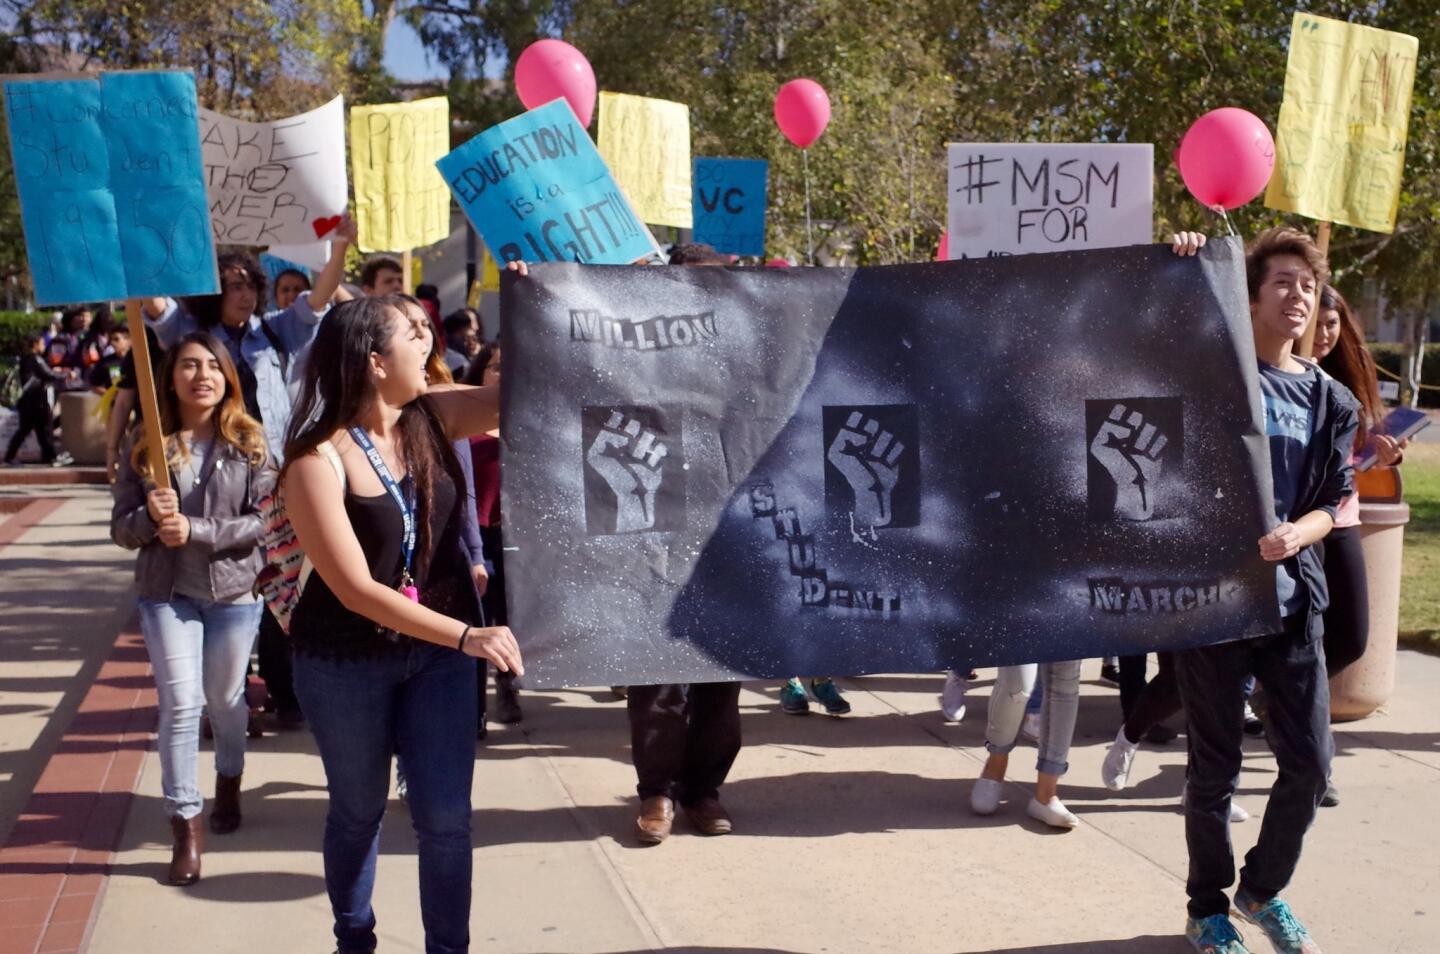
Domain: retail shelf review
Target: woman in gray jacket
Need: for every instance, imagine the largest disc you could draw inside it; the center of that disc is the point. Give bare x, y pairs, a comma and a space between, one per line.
195, 573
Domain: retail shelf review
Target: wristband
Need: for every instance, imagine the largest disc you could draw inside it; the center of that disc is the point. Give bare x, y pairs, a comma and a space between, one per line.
464, 635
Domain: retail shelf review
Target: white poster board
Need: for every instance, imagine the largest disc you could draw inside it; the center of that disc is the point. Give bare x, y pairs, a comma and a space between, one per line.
1017, 198
275, 183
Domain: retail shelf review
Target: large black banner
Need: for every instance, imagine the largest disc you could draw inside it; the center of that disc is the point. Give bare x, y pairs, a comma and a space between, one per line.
712, 473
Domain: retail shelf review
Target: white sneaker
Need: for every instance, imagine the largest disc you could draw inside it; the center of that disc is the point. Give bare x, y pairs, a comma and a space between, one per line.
1237, 813
952, 697
1053, 813
985, 796
1115, 771
1030, 726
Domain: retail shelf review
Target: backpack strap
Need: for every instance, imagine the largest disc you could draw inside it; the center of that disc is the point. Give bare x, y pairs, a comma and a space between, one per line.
279, 347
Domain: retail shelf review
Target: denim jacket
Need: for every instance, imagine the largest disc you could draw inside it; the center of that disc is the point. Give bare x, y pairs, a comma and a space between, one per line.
1328, 476
275, 391
228, 529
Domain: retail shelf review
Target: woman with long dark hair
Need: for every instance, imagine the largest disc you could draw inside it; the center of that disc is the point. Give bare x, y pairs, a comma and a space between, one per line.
195, 574
384, 650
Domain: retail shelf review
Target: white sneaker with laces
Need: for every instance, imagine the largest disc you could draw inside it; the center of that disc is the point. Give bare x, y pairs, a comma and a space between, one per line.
985, 796
1237, 813
1115, 770
952, 697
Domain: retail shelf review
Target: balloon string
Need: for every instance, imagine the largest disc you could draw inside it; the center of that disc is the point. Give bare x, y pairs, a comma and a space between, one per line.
1219, 210
809, 236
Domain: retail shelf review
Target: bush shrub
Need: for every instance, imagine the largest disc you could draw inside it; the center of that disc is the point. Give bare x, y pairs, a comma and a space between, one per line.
15, 325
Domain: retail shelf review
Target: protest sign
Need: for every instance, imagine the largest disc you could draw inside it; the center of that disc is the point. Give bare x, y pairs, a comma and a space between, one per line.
1340, 141
275, 183
111, 189
537, 191
730, 204
400, 201
1015, 198
312, 255
646, 144
713, 473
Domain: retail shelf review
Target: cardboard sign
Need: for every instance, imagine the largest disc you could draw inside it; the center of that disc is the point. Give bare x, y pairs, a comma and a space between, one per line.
843, 514
401, 203
275, 183
112, 193
646, 144
537, 191
730, 204
1017, 198
1340, 141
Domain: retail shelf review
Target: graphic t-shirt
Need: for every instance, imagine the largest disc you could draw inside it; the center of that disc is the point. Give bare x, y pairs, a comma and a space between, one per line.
1289, 401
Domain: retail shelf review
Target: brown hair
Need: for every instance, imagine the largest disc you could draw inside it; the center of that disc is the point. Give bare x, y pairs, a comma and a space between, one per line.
232, 424
1281, 240
1350, 363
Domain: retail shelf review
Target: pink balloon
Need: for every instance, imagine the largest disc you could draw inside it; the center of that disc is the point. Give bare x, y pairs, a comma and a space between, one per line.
777, 263
942, 253
802, 111
1226, 157
550, 69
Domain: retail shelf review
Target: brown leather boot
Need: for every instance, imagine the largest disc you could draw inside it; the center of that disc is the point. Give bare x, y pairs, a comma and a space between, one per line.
225, 815
185, 860
657, 814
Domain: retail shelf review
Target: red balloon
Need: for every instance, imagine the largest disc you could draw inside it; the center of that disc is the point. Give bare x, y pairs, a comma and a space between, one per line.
942, 253
1226, 157
802, 111
551, 69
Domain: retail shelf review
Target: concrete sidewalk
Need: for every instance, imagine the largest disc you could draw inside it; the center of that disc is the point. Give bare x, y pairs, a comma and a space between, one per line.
851, 834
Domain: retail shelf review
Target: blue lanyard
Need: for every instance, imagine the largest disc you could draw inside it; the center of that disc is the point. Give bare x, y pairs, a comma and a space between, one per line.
407, 507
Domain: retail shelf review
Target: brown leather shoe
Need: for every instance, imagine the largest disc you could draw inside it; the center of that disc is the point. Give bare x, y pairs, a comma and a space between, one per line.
657, 814
185, 859
225, 815
709, 817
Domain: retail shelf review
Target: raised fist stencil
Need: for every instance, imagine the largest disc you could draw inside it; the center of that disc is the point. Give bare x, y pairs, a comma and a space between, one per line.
629, 451
874, 452
869, 457
1131, 440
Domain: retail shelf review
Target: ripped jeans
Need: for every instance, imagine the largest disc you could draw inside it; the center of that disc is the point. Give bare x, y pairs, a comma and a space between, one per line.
1057, 712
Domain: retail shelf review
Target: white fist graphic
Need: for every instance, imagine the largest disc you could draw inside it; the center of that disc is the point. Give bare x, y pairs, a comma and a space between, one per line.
869, 458
629, 458
1129, 450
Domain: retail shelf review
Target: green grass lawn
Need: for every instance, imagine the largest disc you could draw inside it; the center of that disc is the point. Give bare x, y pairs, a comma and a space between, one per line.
1420, 578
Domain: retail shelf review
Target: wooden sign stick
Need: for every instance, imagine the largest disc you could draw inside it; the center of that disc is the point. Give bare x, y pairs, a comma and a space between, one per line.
407, 268
1306, 347
145, 385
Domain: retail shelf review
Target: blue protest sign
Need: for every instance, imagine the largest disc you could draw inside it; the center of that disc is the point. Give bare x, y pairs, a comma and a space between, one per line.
730, 204
537, 190
110, 183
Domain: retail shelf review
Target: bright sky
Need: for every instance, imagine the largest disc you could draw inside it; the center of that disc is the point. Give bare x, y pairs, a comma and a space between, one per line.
405, 56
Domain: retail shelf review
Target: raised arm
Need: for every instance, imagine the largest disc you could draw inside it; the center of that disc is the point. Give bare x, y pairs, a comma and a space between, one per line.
318, 298
315, 503
466, 411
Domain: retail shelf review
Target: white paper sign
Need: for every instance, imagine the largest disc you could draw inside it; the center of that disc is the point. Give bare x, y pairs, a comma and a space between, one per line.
1017, 198
275, 183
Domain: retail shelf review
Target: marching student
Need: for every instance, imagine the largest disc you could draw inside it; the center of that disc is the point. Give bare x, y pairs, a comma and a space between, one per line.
199, 556
268, 352
1311, 421
384, 646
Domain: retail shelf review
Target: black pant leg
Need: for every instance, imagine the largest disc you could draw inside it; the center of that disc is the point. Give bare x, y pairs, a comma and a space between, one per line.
276, 663
1297, 726
712, 741
1347, 620
657, 736
1132, 682
1212, 688
1158, 702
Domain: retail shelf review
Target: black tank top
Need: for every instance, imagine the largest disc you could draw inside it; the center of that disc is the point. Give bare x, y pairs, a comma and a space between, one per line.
322, 626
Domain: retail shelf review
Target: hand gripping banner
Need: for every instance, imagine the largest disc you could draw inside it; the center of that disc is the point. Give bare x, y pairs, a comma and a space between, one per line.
713, 474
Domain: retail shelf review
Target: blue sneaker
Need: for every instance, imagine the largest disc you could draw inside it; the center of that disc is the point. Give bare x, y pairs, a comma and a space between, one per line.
825, 692
792, 698
1287, 935
1214, 935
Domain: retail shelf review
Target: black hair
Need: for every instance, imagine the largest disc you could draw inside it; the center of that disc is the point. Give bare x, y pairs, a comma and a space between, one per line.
373, 268
206, 308
696, 253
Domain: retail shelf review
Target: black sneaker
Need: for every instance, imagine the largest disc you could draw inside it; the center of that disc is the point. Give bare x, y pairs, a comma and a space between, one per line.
1331, 798
1110, 672
1253, 725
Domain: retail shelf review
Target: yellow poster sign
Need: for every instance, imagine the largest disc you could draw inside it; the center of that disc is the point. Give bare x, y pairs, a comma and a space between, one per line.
489, 272
1340, 143
401, 202
646, 144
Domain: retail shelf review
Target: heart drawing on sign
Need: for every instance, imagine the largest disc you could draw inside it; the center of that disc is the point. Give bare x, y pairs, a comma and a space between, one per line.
321, 226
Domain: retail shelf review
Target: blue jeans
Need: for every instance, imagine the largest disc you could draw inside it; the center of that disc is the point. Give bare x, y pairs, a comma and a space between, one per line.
198, 652
1059, 705
420, 701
